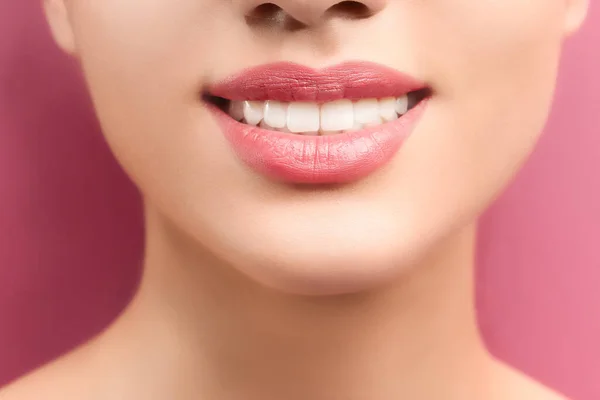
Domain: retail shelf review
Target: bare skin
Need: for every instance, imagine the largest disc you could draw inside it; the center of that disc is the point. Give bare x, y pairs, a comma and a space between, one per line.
189, 336
258, 290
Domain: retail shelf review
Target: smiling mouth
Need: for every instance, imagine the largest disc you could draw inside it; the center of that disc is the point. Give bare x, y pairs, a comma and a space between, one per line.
299, 125
312, 118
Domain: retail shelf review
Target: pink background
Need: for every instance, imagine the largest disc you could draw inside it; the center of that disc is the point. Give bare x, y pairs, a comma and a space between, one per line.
70, 222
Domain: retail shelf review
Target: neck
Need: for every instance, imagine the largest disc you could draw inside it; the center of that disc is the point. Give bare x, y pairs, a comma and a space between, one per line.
230, 338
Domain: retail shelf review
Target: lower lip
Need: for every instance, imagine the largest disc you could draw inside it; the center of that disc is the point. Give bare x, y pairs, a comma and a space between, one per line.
334, 159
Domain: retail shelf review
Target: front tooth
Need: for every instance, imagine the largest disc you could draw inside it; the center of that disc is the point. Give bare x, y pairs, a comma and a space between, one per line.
337, 116
275, 113
402, 105
264, 125
366, 112
357, 126
253, 112
387, 109
303, 117
236, 110
268, 127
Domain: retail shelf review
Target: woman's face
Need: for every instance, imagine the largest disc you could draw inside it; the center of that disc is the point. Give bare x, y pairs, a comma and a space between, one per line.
489, 66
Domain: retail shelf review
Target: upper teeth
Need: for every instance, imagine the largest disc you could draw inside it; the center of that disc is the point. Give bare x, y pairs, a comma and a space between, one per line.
312, 118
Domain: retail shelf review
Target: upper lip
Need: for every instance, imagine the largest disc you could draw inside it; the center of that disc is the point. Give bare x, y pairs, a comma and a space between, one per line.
288, 82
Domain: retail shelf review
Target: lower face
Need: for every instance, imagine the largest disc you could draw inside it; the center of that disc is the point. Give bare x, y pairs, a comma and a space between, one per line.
159, 71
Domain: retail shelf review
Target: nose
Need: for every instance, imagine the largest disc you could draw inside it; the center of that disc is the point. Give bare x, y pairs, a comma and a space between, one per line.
309, 12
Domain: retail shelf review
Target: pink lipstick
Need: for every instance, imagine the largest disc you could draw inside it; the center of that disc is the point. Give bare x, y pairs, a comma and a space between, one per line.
386, 106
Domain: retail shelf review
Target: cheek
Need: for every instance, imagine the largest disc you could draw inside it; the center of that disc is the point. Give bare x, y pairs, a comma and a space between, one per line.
146, 96
127, 51
143, 50
465, 43
495, 64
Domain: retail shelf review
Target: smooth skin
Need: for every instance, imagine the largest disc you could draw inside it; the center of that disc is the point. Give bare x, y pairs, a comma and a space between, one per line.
256, 290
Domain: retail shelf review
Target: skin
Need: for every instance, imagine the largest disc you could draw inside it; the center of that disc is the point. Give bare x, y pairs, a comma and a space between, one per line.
257, 290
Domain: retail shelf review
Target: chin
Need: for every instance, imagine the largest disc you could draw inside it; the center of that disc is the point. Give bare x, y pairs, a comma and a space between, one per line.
321, 273
326, 260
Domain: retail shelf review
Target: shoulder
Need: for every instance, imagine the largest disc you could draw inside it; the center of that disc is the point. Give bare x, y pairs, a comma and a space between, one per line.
102, 368
36, 385
64, 379
513, 384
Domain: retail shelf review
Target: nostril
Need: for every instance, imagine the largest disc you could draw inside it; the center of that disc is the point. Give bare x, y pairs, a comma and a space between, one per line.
351, 10
272, 15
264, 12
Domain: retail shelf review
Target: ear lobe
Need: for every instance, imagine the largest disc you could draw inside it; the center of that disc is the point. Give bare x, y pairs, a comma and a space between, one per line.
60, 24
576, 11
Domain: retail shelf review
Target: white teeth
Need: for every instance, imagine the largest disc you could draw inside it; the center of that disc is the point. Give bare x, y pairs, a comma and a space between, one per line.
357, 126
276, 113
303, 117
264, 125
378, 122
253, 112
402, 105
310, 118
387, 109
268, 127
236, 110
366, 112
337, 116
